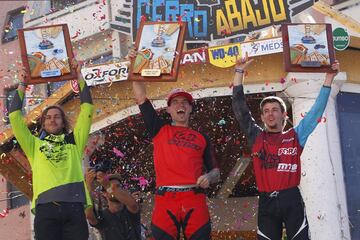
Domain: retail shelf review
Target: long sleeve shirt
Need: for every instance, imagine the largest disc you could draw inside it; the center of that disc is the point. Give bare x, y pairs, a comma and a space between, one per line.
276, 156
180, 153
55, 160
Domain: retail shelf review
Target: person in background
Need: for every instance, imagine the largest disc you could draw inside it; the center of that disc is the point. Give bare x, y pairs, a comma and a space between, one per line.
121, 219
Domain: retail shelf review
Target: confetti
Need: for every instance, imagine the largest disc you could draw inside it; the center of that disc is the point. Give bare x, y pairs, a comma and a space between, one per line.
118, 153
76, 34
142, 182
143, 18
221, 122
4, 213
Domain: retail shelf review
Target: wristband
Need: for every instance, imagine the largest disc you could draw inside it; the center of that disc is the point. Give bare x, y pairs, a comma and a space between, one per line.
238, 70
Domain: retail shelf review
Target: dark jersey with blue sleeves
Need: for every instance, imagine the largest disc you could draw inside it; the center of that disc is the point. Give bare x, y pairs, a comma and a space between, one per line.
276, 156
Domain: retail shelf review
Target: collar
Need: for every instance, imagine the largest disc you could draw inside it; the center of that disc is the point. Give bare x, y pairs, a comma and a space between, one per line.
55, 138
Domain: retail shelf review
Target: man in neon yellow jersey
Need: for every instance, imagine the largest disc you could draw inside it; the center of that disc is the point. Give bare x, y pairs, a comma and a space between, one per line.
59, 192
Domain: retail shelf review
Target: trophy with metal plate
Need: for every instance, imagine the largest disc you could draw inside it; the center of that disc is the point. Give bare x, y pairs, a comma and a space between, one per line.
46, 53
308, 47
159, 46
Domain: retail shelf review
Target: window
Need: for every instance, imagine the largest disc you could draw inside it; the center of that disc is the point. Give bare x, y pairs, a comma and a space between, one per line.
57, 5
335, 2
13, 21
15, 197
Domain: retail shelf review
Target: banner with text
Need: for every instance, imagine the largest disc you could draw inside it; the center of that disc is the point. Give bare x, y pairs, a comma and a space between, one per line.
106, 73
225, 56
197, 56
209, 20
219, 56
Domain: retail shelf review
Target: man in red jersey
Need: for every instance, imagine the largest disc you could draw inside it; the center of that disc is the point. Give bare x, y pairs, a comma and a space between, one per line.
180, 155
276, 157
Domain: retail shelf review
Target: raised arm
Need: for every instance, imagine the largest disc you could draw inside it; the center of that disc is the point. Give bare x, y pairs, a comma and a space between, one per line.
121, 195
83, 123
313, 117
139, 90
241, 65
89, 211
329, 77
152, 121
20, 129
240, 107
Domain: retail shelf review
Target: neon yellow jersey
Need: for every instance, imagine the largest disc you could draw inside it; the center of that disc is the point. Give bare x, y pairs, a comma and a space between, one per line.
56, 160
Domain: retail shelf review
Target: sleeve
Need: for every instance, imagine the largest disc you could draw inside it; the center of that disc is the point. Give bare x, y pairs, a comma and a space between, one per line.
136, 223
243, 115
134, 216
209, 155
311, 119
101, 223
83, 123
152, 121
20, 129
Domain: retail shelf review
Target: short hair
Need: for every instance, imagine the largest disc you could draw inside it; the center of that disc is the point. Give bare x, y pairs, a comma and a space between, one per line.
272, 99
66, 122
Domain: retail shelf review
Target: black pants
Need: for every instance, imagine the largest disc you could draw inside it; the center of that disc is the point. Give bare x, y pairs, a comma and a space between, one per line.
60, 221
286, 207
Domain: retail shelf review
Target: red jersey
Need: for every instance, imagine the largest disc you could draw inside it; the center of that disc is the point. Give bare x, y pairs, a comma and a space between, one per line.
180, 153
276, 156
276, 159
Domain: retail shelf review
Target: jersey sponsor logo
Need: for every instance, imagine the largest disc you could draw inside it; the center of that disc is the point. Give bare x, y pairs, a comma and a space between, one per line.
184, 139
285, 140
54, 152
287, 151
268, 160
287, 167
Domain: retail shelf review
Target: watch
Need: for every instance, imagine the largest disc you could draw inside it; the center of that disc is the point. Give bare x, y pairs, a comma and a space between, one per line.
239, 70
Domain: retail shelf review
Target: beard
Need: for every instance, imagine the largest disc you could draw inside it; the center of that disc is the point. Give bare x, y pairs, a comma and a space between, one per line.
274, 126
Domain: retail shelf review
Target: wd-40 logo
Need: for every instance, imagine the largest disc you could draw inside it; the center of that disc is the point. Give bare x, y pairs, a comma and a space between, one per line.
287, 151
287, 167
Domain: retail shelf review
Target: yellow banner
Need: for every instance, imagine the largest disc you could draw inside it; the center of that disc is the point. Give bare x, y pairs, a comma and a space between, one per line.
224, 56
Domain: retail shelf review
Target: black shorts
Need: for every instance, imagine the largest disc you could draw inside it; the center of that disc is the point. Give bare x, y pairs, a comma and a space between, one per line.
283, 207
60, 221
